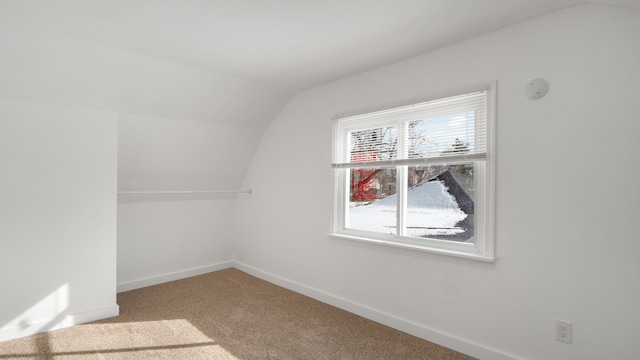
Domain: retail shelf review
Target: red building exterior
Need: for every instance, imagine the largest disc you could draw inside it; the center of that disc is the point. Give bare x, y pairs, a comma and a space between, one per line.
363, 184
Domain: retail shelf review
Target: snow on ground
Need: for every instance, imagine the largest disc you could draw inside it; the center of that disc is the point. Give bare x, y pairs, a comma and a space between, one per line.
431, 211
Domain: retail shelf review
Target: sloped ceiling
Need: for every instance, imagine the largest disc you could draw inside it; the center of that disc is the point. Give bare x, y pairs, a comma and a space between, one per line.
231, 63
288, 44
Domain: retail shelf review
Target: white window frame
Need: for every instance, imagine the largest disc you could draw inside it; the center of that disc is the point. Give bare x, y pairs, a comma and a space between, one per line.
483, 246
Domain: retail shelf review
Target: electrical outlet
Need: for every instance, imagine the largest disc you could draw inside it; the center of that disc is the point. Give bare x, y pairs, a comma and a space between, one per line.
563, 331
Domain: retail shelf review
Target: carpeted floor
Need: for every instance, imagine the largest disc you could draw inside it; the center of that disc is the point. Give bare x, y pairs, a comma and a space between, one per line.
226, 314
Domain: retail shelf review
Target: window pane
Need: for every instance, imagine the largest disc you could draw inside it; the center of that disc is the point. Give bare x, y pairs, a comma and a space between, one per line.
440, 202
441, 136
374, 144
372, 200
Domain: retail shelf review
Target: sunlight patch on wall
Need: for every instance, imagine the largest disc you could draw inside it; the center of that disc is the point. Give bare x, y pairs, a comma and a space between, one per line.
46, 314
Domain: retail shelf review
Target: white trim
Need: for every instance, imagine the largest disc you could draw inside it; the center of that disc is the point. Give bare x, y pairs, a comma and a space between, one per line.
58, 322
484, 243
430, 249
177, 275
438, 337
451, 159
490, 193
430, 334
415, 100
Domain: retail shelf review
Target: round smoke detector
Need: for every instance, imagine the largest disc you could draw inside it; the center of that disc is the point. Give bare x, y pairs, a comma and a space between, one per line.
536, 89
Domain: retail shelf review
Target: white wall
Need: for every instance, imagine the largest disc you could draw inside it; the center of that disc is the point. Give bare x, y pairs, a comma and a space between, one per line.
165, 237
179, 128
566, 196
57, 217
162, 153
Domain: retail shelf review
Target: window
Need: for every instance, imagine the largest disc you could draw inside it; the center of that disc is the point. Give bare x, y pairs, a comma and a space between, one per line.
418, 176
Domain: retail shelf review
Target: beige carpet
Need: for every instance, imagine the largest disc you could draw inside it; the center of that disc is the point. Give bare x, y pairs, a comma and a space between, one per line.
227, 314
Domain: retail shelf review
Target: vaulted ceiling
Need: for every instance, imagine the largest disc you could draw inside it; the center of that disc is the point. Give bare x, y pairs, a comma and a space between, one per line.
288, 44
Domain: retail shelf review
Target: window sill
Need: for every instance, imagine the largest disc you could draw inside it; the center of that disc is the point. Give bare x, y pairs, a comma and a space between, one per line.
442, 251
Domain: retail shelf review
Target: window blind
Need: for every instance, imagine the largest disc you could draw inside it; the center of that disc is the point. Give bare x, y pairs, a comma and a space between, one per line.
445, 130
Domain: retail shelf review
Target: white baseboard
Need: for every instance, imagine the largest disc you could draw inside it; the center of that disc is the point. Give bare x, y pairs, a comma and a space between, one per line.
163, 278
435, 336
59, 322
448, 340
